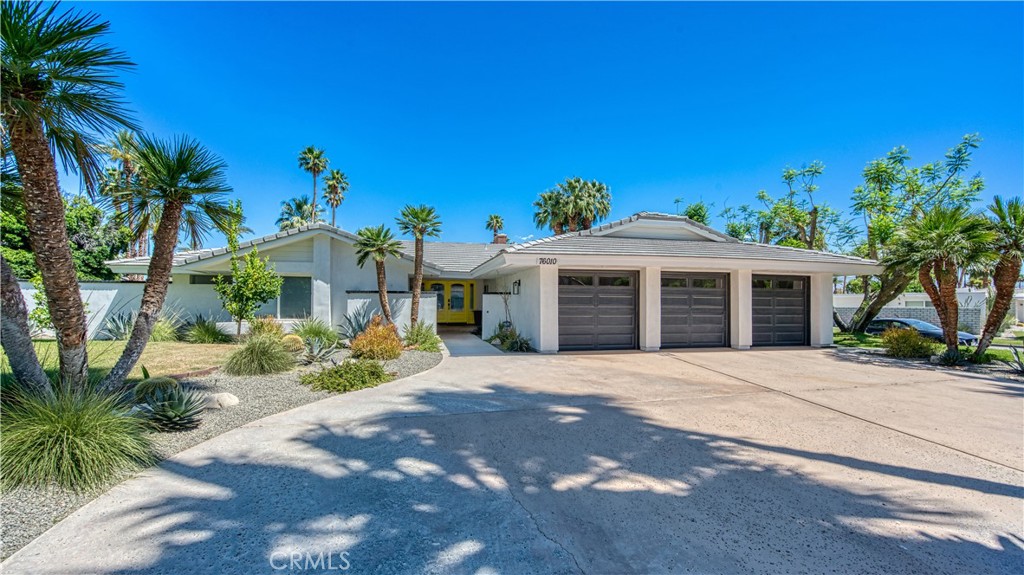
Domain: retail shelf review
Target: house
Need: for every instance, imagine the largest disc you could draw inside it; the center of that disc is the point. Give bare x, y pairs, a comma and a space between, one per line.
649, 281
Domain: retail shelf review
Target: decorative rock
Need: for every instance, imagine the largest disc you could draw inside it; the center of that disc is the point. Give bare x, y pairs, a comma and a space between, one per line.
220, 400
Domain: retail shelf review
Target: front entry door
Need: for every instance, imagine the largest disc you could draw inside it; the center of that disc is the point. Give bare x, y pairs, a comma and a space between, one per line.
454, 300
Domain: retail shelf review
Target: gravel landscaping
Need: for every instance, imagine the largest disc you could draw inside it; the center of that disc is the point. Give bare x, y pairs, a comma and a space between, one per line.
28, 512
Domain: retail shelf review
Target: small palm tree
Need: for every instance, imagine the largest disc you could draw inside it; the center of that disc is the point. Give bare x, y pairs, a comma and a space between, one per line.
313, 160
938, 245
59, 89
550, 211
495, 223
1007, 219
297, 212
379, 244
336, 184
183, 191
418, 222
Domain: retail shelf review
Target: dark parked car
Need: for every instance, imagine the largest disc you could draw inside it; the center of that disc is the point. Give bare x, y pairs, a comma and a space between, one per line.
931, 331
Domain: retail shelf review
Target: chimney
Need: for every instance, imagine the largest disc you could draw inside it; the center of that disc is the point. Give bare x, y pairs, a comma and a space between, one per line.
500, 239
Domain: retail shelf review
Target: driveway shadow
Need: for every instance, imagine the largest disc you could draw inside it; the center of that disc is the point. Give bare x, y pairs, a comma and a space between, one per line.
565, 486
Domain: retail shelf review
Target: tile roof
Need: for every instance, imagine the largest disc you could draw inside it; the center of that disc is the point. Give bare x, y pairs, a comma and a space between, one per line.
455, 257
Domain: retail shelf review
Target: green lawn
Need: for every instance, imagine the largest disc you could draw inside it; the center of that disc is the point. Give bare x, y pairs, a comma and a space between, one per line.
1016, 341
857, 340
160, 358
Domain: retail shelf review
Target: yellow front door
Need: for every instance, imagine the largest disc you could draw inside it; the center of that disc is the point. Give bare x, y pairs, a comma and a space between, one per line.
454, 300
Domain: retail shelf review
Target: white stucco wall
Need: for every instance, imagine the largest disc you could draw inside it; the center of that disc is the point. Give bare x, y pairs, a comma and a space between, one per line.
401, 307
524, 307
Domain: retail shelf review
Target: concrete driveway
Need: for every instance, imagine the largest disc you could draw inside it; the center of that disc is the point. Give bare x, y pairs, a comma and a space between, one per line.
776, 461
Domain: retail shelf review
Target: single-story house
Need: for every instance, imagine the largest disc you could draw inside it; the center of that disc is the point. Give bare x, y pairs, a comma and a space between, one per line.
649, 281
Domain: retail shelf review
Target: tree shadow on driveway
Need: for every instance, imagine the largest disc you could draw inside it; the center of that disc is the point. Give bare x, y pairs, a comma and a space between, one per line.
570, 484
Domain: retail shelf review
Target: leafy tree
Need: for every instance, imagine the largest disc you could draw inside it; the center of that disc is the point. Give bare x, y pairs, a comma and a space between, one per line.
337, 185
1007, 219
699, 212
573, 205
297, 212
495, 224
937, 246
313, 160
58, 89
379, 244
180, 177
253, 281
419, 222
893, 196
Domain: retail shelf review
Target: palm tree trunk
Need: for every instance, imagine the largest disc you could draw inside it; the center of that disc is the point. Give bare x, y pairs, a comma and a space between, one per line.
153, 295
48, 237
1005, 275
939, 282
417, 280
334, 210
382, 292
16, 335
312, 217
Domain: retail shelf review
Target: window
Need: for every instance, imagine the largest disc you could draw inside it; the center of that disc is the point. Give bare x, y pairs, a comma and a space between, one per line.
296, 299
206, 280
789, 284
762, 284
705, 283
617, 281
673, 282
576, 280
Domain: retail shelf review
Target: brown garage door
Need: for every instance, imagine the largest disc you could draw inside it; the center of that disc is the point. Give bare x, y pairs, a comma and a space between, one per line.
597, 310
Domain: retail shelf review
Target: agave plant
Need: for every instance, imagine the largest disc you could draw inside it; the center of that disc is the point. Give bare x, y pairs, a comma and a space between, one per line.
119, 327
173, 409
356, 322
318, 350
1017, 365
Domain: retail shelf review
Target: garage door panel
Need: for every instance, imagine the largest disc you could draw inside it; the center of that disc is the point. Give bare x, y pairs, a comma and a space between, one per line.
597, 310
780, 310
694, 310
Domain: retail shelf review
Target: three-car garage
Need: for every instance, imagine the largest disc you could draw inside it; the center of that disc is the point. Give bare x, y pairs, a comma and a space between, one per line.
599, 310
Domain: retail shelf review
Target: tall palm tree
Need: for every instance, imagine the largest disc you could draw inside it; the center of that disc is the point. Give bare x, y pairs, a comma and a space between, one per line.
573, 205
495, 223
313, 160
1007, 219
297, 212
938, 245
379, 244
118, 180
550, 211
185, 184
419, 222
336, 184
59, 87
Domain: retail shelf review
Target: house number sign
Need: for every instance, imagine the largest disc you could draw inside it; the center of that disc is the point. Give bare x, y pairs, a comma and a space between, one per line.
547, 261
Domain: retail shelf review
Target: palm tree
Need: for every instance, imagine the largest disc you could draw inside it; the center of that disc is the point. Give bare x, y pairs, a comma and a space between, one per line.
1007, 219
336, 184
573, 205
495, 223
938, 245
297, 212
313, 160
59, 88
379, 244
419, 222
550, 212
184, 183
120, 179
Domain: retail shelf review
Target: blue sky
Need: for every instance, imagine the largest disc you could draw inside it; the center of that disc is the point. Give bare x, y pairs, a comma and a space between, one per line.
476, 108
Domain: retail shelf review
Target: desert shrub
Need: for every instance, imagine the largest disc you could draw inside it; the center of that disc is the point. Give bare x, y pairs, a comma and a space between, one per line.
203, 330
293, 343
265, 325
317, 351
75, 439
149, 386
509, 339
421, 336
952, 357
356, 322
906, 343
315, 328
378, 341
173, 409
260, 355
348, 376
119, 326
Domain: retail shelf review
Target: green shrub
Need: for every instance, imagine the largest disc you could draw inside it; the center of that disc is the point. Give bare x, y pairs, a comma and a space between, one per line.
75, 439
167, 326
265, 325
293, 343
507, 338
173, 409
906, 343
350, 375
204, 330
260, 355
315, 328
421, 336
952, 357
147, 387
378, 341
